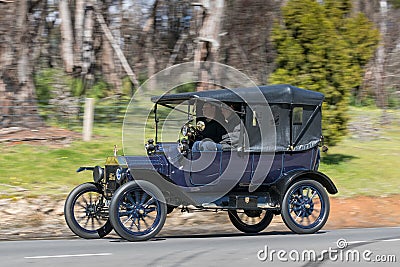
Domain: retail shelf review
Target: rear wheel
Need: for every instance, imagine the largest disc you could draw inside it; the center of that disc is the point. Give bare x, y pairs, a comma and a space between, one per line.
250, 221
305, 207
86, 212
138, 211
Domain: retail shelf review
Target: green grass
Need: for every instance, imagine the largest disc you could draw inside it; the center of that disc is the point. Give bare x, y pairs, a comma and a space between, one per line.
49, 170
367, 166
357, 166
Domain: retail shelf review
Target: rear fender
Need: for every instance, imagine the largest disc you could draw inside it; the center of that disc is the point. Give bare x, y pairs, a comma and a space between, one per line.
288, 179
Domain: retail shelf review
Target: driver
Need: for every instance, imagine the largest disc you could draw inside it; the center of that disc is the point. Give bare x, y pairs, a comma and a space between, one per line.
213, 129
230, 135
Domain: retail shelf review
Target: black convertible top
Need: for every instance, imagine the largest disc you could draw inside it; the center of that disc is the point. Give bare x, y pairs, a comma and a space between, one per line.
296, 114
274, 94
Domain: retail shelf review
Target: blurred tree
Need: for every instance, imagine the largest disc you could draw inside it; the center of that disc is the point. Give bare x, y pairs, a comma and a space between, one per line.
381, 82
21, 28
208, 40
246, 37
67, 36
322, 46
395, 3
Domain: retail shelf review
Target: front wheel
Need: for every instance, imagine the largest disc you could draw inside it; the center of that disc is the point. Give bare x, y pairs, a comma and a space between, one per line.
138, 211
250, 221
86, 212
305, 207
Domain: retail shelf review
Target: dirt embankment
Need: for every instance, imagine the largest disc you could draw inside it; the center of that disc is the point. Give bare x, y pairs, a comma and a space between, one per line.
40, 136
43, 218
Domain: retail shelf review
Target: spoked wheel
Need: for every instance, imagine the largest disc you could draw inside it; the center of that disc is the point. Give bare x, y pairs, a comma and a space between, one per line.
138, 211
305, 207
250, 221
86, 212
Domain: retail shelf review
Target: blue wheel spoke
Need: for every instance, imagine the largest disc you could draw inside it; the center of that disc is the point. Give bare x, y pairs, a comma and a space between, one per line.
130, 199
302, 191
87, 221
148, 210
296, 208
133, 223
98, 219
80, 204
296, 203
313, 195
150, 217
139, 212
149, 202
144, 197
84, 200
137, 197
298, 215
79, 219
127, 219
306, 206
145, 223
125, 213
92, 221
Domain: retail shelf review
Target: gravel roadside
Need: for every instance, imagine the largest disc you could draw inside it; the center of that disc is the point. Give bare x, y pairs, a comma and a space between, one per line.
43, 218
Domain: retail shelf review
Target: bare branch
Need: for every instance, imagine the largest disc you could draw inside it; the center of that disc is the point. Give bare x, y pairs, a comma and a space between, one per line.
117, 49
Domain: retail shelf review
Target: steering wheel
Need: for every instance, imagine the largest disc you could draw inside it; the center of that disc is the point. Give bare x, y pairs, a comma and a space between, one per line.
190, 131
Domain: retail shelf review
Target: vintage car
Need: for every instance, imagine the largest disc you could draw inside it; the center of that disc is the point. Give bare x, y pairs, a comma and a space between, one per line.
271, 170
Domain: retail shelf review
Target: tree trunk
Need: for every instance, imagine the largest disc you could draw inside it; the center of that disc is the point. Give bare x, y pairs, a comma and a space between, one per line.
208, 40
79, 26
117, 49
67, 36
88, 58
381, 95
108, 67
17, 92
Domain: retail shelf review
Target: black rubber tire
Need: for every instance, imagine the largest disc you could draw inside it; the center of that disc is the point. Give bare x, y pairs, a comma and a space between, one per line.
287, 208
250, 228
117, 201
72, 222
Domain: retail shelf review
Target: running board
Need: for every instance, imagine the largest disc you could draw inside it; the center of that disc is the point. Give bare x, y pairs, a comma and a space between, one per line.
259, 206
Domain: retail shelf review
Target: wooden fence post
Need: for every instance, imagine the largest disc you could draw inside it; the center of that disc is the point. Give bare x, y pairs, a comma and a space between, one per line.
88, 117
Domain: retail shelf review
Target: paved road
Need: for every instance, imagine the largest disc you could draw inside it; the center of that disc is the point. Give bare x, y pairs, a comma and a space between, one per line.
372, 246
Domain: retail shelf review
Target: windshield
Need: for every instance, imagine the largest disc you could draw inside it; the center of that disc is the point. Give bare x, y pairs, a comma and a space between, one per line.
168, 120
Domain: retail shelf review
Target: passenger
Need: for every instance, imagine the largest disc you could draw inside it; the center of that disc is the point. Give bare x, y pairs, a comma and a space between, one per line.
232, 124
230, 117
231, 140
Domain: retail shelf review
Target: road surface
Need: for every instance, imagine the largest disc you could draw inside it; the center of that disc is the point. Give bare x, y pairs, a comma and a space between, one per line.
349, 247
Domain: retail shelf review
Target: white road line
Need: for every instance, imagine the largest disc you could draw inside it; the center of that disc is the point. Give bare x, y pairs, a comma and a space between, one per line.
392, 240
68, 256
367, 241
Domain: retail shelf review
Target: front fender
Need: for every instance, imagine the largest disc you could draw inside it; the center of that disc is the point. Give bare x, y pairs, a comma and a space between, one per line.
288, 179
173, 193
80, 169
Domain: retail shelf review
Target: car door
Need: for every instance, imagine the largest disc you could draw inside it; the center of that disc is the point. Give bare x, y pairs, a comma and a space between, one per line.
205, 167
